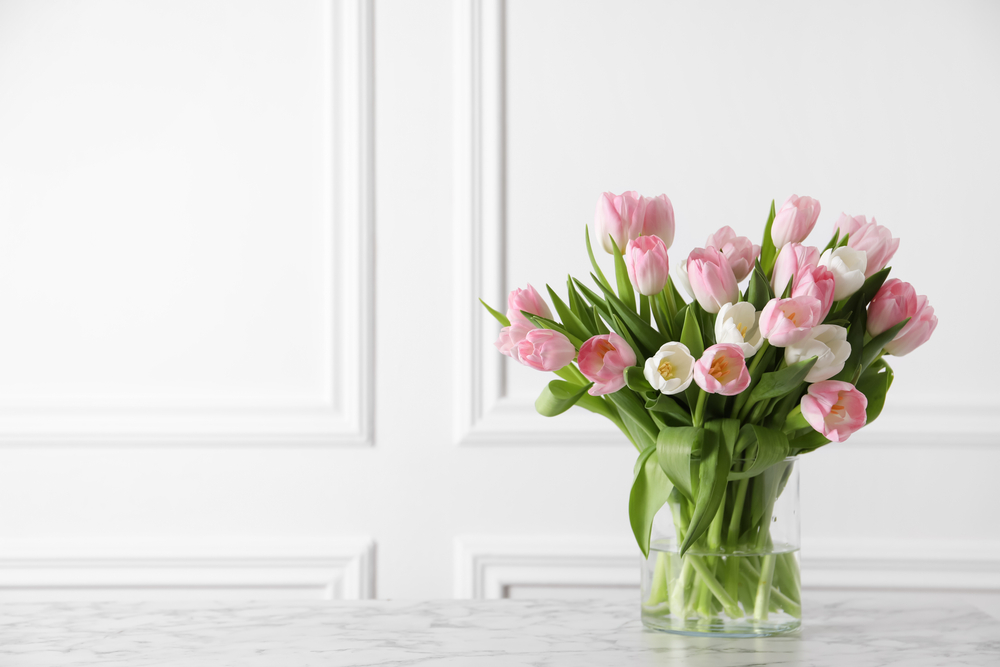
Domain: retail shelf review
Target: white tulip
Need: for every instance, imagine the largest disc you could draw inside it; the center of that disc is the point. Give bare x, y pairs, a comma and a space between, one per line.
681, 278
671, 369
828, 343
737, 323
848, 268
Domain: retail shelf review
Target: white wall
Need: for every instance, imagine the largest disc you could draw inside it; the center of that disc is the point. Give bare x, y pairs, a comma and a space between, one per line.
240, 245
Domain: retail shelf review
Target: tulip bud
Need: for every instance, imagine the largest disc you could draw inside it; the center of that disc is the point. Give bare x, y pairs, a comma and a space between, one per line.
916, 332
848, 268
835, 409
828, 343
528, 300
739, 250
794, 220
894, 302
712, 280
647, 264
722, 370
787, 321
792, 258
816, 281
874, 239
510, 337
603, 360
658, 220
619, 217
545, 350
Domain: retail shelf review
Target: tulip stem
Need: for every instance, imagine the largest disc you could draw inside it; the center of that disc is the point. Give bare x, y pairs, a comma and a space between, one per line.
699, 410
741, 399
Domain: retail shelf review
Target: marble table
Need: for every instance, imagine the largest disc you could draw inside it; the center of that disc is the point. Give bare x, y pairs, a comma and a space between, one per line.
853, 629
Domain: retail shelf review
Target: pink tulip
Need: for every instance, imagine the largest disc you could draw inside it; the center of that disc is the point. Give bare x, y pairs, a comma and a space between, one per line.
794, 220
647, 264
545, 350
739, 250
916, 332
792, 258
712, 280
816, 281
835, 409
894, 302
658, 220
621, 217
787, 321
874, 239
722, 369
603, 360
528, 300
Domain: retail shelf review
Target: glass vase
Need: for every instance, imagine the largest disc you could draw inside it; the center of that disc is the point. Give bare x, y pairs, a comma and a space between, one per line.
741, 578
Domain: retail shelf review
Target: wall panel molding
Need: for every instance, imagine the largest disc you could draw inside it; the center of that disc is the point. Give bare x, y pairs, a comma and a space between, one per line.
487, 567
484, 412
342, 569
347, 419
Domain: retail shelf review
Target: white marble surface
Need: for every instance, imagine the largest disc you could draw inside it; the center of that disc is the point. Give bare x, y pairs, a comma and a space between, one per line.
854, 629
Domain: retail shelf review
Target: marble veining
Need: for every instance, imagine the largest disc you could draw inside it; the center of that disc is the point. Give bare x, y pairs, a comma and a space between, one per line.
854, 629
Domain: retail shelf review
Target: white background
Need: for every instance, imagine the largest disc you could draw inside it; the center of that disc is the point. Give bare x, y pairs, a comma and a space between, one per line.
241, 242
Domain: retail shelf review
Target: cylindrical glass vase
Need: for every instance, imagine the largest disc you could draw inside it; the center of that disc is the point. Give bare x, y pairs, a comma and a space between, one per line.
739, 579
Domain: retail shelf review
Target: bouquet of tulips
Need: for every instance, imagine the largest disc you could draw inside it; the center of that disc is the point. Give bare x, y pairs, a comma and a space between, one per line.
716, 393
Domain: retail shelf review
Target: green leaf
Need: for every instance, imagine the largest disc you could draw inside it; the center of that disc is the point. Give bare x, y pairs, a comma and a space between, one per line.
691, 334
856, 338
707, 323
624, 333
759, 292
674, 449
546, 323
766, 491
677, 322
599, 304
779, 383
625, 292
872, 285
559, 396
647, 336
668, 406
768, 253
593, 262
728, 431
579, 307
650, 490
713, 471
500, 317
833, 241
772, 447
875, 345
806, 443
691, 338
662, 316
628, 404
569, 319
602, 328
874, 384
843, 241
673, 298
785, 405
636, 381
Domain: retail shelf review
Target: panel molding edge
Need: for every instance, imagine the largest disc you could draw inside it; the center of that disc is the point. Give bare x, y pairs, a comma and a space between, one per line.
486, 567
349, 420
332, 569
